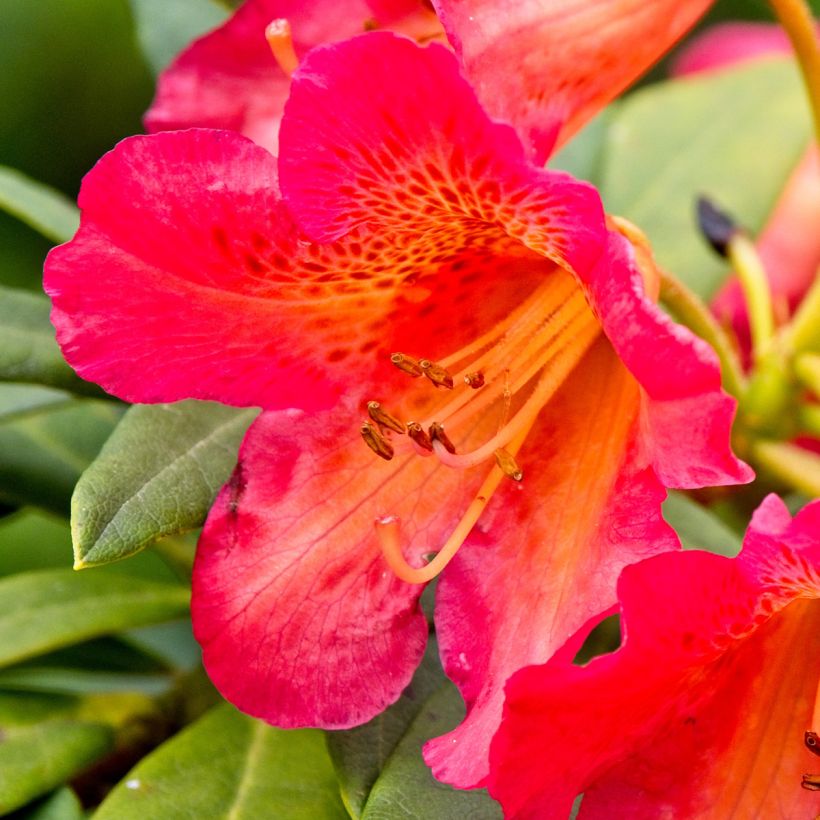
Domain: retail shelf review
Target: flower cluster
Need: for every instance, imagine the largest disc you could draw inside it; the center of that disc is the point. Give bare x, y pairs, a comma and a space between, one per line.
464, 373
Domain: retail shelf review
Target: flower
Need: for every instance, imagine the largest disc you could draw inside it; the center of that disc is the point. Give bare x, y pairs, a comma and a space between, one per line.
409, 226
230, 78
703, 712
547, 66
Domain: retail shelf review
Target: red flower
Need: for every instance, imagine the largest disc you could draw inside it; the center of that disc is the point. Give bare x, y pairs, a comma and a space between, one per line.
430, 236
230, 79
704, 710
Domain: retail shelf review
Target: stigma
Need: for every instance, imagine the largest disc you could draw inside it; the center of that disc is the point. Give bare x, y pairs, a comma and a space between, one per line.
486, 398
280, 39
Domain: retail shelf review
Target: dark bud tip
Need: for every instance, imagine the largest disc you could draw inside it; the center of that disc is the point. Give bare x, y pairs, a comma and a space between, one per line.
717, 226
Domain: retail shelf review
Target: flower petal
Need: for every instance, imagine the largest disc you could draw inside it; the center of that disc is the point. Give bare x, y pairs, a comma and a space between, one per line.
548, 66
701, 712
230, 79
678, 371
301, 620
358, 148
547, 555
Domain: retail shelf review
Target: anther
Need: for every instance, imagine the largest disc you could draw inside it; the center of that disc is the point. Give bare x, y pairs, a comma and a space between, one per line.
280, 40
416, 432
376, 442
812, 741
508, 465
406, 364
474, 380
437, 374
383, 418
437, 434
811, 782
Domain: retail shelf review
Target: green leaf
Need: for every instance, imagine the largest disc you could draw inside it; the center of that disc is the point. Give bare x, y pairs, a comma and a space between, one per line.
28, 349
18, 400
157, 475
43, 208
164, 28
45, 452
60, 805
360, 754
406, 789
43, 743
734, 136
227, 765
583, 155
698, 528
45, 610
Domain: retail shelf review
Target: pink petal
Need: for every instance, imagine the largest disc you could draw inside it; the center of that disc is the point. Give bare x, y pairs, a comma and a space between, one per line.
547, 554
229, 78
702, 710
302, 623
548, 66
358, 148
678, 372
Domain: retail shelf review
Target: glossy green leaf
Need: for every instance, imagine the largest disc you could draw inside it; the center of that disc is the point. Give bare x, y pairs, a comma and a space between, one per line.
44, 452
406, 790
42, 611
28, 349
164, 28
698, 528
157, 475
17, 400
43, 743
45, 209
62, 804
227, 765
734, 136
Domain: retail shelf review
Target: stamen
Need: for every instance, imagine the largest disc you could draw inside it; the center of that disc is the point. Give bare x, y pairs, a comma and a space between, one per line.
280, 40
508, 465
416, 432
437, 374
407, 364
811, 782
438, 436
812, 741
383, 418
474, 379
376, 442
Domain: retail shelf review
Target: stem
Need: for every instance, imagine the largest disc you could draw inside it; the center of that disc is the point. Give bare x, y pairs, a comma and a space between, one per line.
796, 18
808, 417
807, 369
803, 332
798, 468
755, 284
690, 310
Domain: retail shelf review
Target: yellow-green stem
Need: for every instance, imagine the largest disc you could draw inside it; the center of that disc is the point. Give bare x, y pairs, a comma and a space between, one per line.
796, 18
755, 284
808, 418
807, 369
795, 467
803, 332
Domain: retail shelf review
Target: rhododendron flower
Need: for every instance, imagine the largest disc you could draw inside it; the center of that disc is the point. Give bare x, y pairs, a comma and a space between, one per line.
709, 709
230, 78
789, 245
547, 66
412, 248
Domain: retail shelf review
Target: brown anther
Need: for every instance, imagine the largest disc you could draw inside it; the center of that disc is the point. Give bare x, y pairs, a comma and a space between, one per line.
383, 418
416, 432
437, 434
812, 741
508, 465
371, 24
376, 442
811, 782
406, 364
474, 380
437, 374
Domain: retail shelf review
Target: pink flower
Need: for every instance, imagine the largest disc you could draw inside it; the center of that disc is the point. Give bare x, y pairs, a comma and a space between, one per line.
704, 710
230, 79
408, 223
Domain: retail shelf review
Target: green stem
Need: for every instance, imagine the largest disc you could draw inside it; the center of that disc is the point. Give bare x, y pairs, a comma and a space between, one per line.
178, 554
796, 18
803, 332
807, 369
808, 417
755, 284
795, 467
688, 308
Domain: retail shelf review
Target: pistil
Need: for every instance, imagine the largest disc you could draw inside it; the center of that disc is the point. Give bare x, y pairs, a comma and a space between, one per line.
280, 39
